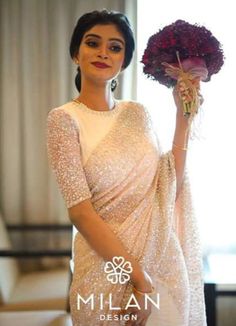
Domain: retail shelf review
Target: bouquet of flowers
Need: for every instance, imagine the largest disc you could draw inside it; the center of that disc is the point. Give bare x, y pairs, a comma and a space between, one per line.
182, 55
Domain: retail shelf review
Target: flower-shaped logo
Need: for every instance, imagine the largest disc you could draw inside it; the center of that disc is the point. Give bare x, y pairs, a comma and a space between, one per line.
118, 270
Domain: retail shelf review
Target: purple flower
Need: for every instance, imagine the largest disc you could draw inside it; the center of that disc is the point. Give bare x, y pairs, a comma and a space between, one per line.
190, 41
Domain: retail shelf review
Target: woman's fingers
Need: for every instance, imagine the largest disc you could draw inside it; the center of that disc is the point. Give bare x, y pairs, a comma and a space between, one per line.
134, 321
141, 324
129, 322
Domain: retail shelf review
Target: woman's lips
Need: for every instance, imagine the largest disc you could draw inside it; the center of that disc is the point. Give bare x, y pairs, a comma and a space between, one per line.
100, 65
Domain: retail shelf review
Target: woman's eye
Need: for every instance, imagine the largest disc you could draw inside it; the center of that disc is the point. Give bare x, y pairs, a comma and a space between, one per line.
91, 43
115, 48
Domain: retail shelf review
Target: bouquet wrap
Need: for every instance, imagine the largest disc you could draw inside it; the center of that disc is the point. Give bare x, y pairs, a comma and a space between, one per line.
188, 75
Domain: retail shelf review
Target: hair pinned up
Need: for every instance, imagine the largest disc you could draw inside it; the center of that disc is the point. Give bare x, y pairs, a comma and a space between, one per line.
103, 17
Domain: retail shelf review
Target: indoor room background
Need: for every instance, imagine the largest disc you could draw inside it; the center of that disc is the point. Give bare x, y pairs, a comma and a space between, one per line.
37, 74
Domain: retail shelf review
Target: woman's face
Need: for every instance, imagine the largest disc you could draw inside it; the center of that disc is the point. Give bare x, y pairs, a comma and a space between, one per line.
101, 53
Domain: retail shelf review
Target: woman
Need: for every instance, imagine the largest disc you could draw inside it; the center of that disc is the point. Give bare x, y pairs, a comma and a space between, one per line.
128, 202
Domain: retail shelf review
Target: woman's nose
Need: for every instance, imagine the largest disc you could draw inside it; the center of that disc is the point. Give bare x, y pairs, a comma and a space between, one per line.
103, 53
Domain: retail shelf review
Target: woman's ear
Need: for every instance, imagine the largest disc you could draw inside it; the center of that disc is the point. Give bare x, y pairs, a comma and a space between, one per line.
76, 60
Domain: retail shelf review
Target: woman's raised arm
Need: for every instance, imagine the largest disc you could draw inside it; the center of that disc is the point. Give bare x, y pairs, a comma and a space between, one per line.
180, 142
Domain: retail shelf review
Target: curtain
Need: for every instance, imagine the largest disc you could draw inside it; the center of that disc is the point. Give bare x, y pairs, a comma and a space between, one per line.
37, 75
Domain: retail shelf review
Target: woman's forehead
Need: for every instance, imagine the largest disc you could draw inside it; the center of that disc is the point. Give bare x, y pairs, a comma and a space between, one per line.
106, 31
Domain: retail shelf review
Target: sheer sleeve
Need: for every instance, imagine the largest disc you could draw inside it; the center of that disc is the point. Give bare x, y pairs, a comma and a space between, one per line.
64, 154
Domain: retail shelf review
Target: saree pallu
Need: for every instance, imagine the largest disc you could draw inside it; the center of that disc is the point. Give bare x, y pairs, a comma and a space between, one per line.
132, 187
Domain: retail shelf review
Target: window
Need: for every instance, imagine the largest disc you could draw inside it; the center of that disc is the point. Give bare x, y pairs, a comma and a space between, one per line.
211, 158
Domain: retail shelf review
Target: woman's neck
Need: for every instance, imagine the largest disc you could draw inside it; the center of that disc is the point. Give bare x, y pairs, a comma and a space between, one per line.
97, 98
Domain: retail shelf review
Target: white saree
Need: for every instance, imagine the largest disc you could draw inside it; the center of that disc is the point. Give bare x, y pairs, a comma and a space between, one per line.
132, 186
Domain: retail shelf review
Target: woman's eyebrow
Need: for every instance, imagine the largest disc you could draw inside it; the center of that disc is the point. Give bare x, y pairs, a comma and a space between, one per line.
111, 39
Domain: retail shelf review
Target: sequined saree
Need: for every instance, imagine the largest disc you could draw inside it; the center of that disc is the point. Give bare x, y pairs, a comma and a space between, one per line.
132, 186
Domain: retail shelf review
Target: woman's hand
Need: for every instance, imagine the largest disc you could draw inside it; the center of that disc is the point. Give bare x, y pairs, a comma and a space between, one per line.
181, 136
178, 100
142, 314
144, 285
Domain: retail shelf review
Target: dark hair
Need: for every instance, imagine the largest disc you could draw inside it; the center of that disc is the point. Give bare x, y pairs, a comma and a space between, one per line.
104, 17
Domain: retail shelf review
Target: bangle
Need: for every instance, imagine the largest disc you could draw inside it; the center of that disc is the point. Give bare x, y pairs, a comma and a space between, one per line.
141, 292
179, 147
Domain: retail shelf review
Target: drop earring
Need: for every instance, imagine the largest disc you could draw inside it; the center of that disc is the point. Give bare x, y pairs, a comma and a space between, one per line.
114, 84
